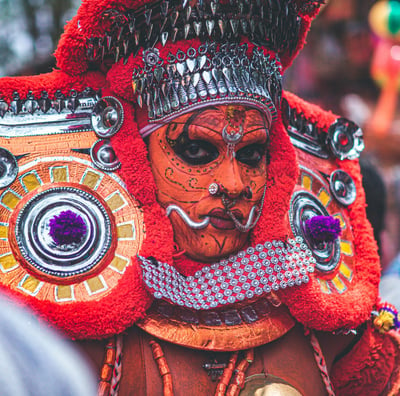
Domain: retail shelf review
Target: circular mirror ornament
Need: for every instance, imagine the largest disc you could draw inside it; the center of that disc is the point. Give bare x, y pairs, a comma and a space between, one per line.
345, 139
107, 117
304, 206
63, 208
8, 168
343, 187
63, 231
104, 157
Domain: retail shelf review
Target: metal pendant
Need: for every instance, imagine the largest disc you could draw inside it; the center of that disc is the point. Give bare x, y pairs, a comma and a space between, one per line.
268, 385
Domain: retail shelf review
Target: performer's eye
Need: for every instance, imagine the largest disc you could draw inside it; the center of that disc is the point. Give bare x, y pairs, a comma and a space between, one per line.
251, 155
196, 152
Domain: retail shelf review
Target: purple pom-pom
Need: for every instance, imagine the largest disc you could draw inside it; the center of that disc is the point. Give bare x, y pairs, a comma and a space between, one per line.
323, 228
67, 227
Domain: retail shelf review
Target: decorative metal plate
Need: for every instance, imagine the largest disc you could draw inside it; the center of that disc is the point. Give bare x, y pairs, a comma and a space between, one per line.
304, 206
343, 187
312, 196
107, 117
8, 168
104, 157
345, 139
34, 240
86, 269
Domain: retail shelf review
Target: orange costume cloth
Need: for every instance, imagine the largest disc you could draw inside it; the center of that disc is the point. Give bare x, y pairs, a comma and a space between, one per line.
155, 110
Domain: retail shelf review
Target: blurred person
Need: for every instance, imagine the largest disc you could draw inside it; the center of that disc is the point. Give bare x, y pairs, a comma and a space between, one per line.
389, 286
36, 361
375, 196
376, 200
391, 272
385, 65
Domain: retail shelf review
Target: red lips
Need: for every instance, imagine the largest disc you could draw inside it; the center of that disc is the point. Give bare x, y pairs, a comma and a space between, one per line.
220, 219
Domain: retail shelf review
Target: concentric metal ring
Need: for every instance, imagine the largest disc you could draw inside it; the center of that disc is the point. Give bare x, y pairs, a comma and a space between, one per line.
107, 117
37, 247
8, 168
343, 187
304, 206
104, 157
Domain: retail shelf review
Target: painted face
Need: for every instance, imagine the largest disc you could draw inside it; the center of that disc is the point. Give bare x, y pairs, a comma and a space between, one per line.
210, 169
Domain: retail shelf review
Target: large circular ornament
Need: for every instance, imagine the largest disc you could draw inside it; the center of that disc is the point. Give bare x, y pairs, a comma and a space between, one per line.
303, 207
334, 261
67, 193
39, 248
345, 139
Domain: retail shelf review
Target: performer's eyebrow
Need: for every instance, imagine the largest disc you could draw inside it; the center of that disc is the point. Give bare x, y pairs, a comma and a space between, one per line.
191, 121
186, 127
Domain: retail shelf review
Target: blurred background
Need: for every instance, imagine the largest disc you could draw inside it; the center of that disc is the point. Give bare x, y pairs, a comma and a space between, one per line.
29, 33
350, 65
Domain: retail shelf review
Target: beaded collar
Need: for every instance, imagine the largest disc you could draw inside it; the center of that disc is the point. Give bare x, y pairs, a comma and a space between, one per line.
253, 272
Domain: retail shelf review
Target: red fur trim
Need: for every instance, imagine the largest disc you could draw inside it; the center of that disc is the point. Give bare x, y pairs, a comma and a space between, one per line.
136, 172
329, 312
187, 266
159, 241
368, 367
132, 153
321, 118
115, 312
282, 175
50, 82
288, 58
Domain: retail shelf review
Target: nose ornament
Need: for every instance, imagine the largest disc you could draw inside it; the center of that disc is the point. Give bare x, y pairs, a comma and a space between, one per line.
218, 189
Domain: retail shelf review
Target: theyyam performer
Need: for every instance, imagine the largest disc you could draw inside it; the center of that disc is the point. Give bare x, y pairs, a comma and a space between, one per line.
193, 227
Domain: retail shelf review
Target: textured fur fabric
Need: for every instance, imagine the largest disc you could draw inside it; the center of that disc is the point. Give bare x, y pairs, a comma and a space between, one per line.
371, 368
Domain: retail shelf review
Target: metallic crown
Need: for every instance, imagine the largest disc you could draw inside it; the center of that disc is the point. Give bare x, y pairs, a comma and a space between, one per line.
218, 73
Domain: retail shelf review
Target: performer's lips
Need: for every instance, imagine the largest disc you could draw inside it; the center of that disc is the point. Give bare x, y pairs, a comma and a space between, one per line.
220, 220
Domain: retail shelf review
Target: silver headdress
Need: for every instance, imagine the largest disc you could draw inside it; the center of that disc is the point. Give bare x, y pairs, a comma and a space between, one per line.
210, 74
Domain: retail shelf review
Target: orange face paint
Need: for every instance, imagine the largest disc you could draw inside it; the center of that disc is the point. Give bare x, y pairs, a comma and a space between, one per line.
210, 168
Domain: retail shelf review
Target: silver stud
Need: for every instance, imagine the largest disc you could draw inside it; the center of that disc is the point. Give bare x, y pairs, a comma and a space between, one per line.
186, 30
164, 38
222, 27
197, 28
210, 27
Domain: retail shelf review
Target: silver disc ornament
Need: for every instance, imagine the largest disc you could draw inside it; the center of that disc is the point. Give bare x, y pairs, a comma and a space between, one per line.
303, 207
8, 168
63, 231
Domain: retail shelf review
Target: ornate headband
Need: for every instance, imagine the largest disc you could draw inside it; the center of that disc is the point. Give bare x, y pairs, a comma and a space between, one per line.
212, 73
